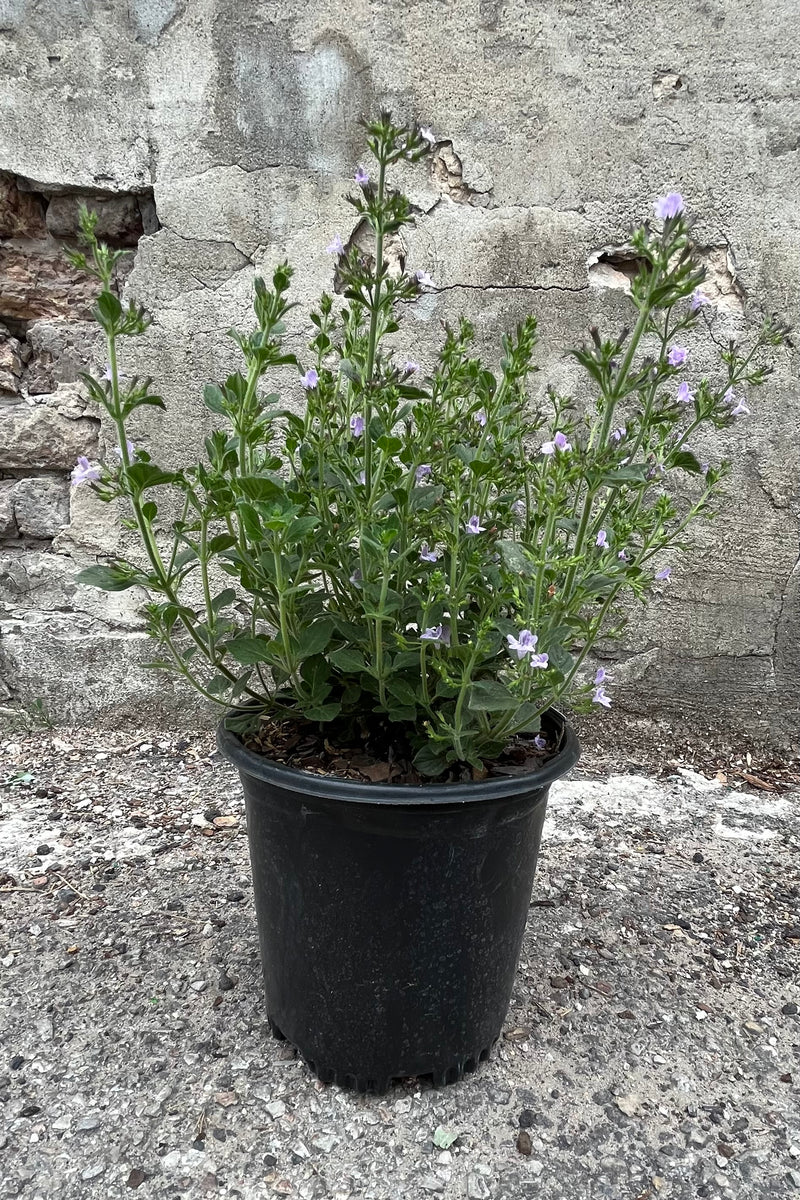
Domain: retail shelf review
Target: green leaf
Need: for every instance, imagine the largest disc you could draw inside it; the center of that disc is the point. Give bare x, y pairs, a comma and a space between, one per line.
247, 649
516, 558
324, 712
389, 444
314, 638
686, 461
222, 541
481, 467
108, 579
225, 597
247, 722
402, 690
431, 760
349, 660
489, 695
109, 310
421, 499
260, 488
633, 473
596, 585
299, 528
214, 398
142, 475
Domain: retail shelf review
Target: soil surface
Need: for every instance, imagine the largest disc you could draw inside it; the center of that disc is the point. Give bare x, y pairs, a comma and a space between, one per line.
652, 1049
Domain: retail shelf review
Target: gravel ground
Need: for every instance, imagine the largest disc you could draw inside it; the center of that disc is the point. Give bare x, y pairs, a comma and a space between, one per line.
651, 1051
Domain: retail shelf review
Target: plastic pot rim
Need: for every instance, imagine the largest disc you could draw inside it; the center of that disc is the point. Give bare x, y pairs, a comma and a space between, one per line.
424, 795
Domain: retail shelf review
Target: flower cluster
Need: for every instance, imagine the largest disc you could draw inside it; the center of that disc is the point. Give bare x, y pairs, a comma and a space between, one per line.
428, 551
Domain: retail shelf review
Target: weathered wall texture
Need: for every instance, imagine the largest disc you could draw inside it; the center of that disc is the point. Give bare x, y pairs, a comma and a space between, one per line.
223, 136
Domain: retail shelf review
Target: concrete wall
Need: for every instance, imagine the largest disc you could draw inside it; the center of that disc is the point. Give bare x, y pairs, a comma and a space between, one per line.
223, 136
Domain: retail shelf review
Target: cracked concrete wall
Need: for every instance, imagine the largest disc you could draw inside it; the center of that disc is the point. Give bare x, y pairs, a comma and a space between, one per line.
558, 124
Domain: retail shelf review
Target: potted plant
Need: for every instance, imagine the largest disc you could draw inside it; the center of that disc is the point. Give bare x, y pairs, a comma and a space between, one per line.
388, 587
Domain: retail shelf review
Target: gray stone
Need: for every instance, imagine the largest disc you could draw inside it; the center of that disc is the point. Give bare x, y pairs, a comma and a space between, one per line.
41, 506
40, 437
8, 525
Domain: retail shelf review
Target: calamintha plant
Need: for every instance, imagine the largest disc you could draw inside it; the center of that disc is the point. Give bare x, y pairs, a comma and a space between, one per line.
427, 556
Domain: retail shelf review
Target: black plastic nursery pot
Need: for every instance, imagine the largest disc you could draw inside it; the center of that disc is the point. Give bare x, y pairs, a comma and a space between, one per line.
391, 917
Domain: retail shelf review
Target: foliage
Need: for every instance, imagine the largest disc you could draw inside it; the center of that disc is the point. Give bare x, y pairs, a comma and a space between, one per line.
431, 552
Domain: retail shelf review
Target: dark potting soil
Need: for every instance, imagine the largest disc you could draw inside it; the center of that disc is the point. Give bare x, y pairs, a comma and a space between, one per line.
381, 755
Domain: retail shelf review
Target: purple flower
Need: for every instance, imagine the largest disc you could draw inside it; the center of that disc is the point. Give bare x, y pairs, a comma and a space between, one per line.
539, 742
84, 472
356, 577
480, 417
436, 633
600, 697
664, 574
677, 356
410, 367
362, 476
473, 526
428, 135
704, 468
107, 372
310, 379
426, 554
361, 176
618, 434
685, 394
602, 540
738, 407
129, 447
336, 246
524, 644
559, 443
668, 206
518, 510
601, 676
423, 279
422, 472
622, 554
356, 425
698, 300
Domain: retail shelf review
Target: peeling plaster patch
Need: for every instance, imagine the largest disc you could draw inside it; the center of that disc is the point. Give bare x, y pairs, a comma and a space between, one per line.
721, 285
448, 170
613, 267
667, 85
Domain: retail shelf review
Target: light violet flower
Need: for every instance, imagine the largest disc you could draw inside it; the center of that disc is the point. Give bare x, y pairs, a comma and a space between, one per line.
518, 510
310, 379
428, 135
410, 367
480, 417
336, 246
664, 574
600, 697
668, 206
426, 554
524, 644
423, 279
539, 742
361, 176
356, 425
437, 633
84, 472
559, 443
618, 434
356, 577
698, 300
685, 394
677, 356
623, 555
362, 476
422, 472
129, 447
602, 540
473, 526
704, 468
601, 676
107, 372
738, 407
